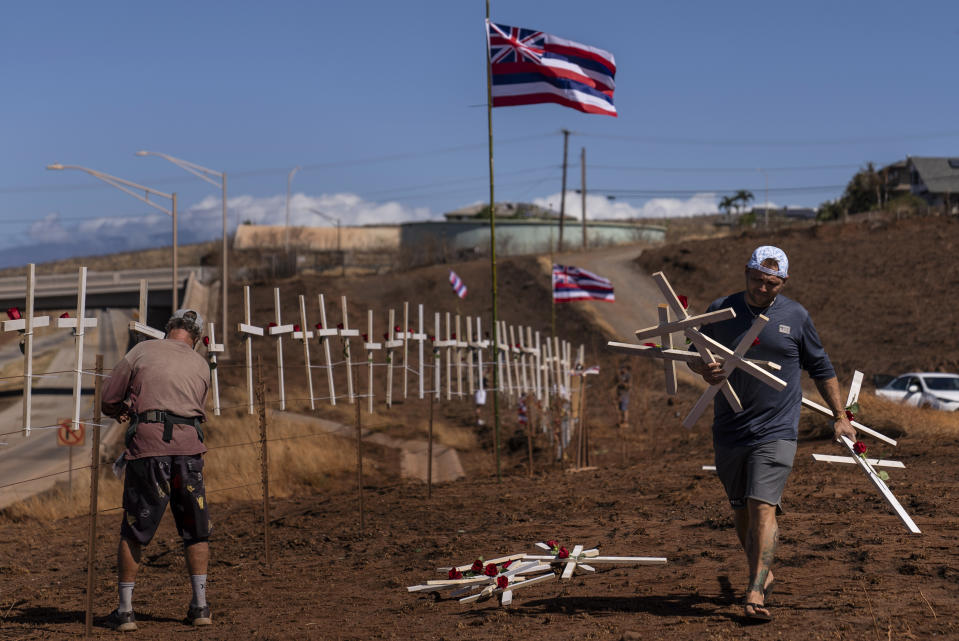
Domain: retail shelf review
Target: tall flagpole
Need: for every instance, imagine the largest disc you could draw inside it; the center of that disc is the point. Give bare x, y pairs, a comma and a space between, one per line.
492, 247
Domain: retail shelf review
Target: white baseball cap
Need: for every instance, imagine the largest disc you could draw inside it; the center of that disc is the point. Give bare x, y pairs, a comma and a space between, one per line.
767, 252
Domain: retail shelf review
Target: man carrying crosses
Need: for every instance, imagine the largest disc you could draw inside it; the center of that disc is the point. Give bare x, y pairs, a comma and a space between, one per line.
755, 448
161, 386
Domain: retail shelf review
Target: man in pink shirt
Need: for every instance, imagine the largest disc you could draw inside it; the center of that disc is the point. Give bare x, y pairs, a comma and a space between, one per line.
161, 387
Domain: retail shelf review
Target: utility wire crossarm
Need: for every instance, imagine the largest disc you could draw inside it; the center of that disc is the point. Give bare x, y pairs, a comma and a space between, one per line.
133, 188
207, 175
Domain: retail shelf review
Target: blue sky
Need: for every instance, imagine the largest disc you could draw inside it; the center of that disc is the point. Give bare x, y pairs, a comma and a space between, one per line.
383, 106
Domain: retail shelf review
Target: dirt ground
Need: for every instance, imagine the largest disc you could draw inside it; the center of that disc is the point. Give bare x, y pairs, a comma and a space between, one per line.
881, 295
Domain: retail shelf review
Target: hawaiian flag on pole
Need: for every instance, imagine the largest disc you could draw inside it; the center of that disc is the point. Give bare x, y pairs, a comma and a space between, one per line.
572, 283
530, 67
457, 284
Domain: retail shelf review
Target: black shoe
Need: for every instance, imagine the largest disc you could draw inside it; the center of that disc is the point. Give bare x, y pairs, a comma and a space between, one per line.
122, 621
199, 615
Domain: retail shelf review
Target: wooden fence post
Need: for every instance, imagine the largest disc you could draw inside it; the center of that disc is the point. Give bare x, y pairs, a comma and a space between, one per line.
94, 488
264, 460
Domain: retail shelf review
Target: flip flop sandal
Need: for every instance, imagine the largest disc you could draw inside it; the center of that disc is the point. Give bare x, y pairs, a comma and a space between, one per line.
756, 615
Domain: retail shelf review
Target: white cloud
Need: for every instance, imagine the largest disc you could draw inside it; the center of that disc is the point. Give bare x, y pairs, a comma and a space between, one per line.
600, 207
48, 229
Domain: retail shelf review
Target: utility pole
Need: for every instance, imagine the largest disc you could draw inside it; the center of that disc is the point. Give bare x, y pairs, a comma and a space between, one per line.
562, 195
582, 162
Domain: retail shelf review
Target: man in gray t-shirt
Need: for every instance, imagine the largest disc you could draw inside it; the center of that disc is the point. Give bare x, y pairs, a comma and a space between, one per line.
755, 448
160, 386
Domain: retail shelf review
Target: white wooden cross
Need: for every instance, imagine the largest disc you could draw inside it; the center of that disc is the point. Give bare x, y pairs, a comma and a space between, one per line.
247, 331
503, 357
79, 326
578, 556
140, 326
277, 329
25, 325
515, 356
324, 332
345, 334
538, 356
212, 349
437, 359
471, 347
370, 347
460, 346
405, 338
304, 334
480, 344
420, 336
514, 581
449, 344
391, 343
866, 466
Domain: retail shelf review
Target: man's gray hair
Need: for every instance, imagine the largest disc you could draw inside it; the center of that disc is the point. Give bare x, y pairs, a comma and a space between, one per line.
187, 319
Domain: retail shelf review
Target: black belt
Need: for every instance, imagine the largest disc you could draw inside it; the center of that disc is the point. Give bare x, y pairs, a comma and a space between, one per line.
168, 419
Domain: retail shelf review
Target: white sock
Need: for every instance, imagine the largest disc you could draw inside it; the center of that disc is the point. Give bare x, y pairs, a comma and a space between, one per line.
126, 596
199, 589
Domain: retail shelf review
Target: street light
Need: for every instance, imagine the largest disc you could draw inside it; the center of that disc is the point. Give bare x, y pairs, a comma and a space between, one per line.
129, 187
289, 181
338, 244
207, 174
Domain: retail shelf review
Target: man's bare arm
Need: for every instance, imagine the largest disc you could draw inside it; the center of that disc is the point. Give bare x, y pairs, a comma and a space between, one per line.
829, 390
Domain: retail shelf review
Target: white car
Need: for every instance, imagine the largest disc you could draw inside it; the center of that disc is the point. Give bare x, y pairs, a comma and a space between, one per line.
924, 389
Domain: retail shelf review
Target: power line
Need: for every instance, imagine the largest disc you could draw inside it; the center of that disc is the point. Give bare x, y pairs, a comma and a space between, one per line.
275, 171
659, 140
627, 193
732, 170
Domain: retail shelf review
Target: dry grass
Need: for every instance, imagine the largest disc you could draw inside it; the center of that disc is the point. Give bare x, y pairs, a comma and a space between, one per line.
884, 415
299, 459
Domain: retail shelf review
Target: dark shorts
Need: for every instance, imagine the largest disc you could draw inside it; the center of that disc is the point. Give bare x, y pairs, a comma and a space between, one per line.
623, 401
152, 482
756, 472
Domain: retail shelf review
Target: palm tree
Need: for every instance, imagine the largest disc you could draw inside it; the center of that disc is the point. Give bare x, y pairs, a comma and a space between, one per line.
743, 196
726, 205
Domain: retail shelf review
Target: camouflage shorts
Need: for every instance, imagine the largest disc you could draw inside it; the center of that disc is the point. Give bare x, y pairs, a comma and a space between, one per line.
152, 482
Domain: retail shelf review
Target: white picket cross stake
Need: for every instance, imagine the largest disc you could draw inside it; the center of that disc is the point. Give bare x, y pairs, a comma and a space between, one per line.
538, 355
345, 334
406, 342
305, 335
515, 355
686, 356
324, 332
79, 325
25, 325
460, 346
471, 347
370, 347
247, 331
557, 368
696, 337
882, 487
875, 462
212, 349
391, 344
669, 367
735, 360
140, 326
547, 369
278, 329
450, 344
481, 344
504, 356
420, 336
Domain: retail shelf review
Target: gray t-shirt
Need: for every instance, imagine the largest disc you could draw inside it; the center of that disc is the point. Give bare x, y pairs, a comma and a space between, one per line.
162, 375
788, 339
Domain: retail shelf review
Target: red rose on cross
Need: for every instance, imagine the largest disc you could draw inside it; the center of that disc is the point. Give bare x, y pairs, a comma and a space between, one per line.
507, 564
491, 570
206, 341
477, 566
650, 345
859, 448
756, 341
563, 553
65, 315
13, 313
552, 543
296, 328
319, 325
455, 574
850, 415
272, 324
683, 301
502, 582
339, 326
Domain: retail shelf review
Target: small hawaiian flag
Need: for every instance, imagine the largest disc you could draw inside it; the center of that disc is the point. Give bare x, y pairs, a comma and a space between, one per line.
457, 284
